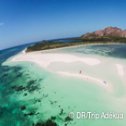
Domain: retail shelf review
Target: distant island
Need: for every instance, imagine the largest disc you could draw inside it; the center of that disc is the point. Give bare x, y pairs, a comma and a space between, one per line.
107, 35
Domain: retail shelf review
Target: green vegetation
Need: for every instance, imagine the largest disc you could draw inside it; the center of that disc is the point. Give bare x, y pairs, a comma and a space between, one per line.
43, 45
51, 45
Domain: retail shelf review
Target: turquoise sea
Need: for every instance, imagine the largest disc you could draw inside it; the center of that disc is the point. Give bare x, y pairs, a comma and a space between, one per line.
32, 96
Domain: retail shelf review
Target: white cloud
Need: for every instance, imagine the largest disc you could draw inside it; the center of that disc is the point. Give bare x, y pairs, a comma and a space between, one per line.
1, 23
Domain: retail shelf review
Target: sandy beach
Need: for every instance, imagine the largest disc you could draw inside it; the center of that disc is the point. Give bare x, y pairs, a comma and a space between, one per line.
46, 59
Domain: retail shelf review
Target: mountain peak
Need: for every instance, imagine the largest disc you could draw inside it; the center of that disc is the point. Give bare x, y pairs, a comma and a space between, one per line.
106, 32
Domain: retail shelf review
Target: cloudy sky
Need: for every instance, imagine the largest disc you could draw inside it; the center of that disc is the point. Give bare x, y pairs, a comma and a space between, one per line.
24, 21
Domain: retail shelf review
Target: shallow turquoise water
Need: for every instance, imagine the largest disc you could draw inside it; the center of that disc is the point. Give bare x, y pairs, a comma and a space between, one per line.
17, 81
32, 96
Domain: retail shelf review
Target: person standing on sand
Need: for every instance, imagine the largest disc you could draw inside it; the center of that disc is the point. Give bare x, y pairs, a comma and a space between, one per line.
104, 82
80, 71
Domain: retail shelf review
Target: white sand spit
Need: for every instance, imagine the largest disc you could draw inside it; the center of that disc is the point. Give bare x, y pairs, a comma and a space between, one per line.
98, 81
46, 59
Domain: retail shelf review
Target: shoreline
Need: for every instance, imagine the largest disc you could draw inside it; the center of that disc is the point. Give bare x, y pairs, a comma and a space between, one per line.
79, 45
